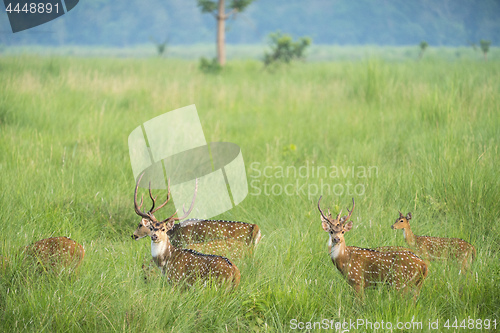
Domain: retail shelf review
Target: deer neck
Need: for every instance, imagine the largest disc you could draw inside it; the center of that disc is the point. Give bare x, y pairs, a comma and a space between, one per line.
409, 236
340, 255
161, 251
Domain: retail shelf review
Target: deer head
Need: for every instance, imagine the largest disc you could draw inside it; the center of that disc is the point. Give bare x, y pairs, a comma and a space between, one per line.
157, 229
402, 222
338, 226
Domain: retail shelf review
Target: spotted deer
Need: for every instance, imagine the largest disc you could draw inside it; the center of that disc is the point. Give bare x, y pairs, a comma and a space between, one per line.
182, 265
367, 267
436, 248
56, 253
229, 238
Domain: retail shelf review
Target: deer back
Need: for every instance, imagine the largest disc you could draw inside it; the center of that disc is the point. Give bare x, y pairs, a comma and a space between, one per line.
188, 265
443, 248
368, 267
60, 252
229, 248
198, 230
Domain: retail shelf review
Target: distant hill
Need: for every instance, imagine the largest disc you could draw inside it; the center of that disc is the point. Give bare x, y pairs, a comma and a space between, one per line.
342, 22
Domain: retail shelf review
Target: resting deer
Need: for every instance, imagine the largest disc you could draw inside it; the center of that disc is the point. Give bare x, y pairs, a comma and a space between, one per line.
182, 265
436, 248
57, 252
53, 254
228, 238
366, 267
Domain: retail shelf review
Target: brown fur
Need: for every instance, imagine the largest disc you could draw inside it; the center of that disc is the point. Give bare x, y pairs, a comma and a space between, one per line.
56, 253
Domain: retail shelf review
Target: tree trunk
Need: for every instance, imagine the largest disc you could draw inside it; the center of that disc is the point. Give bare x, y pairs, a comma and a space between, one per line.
221, 20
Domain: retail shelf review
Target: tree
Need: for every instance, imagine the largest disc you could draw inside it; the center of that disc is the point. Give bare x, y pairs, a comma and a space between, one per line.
485, 46
423, 45
220, 11
284, 49
161, 47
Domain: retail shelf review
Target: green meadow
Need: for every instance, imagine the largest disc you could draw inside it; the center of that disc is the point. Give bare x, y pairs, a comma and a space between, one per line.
420, 137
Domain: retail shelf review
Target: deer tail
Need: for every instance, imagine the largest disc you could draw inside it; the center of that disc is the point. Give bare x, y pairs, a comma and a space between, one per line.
236, 276
256, 235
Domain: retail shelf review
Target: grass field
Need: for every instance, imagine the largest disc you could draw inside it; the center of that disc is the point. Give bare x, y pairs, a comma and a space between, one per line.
426, 134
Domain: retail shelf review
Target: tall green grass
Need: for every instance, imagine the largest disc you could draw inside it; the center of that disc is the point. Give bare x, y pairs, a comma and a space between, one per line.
431, 129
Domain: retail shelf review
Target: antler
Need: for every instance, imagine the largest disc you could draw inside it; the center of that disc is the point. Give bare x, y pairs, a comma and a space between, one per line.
350, 211
189, 210
138, 207
152, 210
320, 209
338, 216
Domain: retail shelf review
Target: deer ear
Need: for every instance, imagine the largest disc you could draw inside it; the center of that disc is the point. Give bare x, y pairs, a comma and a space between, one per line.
408, 216
348, 226
325, 225
145, 222
170, 224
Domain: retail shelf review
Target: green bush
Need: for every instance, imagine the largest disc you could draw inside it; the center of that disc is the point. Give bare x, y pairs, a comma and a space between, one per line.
210, 66
485, 47
423, 45
284, 49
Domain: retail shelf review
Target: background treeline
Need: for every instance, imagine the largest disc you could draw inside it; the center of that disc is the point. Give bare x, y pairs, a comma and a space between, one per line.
389, 22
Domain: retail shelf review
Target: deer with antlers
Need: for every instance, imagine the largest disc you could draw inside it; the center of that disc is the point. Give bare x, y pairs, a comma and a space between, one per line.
229, 238
367, 267
436, 248
182, 265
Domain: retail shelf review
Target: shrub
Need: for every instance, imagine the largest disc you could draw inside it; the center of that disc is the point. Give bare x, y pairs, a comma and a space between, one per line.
485, 47
284, 49
210, 66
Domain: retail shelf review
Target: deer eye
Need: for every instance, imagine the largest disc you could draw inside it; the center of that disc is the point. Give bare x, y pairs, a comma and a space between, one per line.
343, 231
401, 221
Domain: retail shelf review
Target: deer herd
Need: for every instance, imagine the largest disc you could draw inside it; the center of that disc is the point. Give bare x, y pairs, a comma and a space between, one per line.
203, 251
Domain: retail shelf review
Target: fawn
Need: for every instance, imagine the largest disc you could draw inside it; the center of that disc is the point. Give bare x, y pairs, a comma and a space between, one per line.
436, 248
